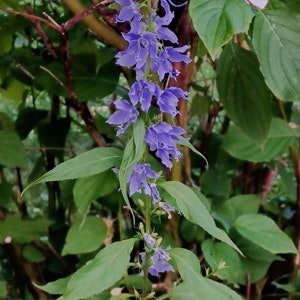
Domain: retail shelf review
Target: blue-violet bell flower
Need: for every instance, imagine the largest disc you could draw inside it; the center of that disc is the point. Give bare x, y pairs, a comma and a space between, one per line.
141, 46
129, 11
163, 63
150, 240
159, 262
161, 138
138, 180
160, 23
142, 92
124, 116
167, 208
167, 100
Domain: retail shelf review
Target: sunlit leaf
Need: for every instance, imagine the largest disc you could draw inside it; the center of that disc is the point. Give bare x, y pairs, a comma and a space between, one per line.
216, 21
276, 40
100, 273
58, 286
193, 283
190, 205
86, 164
280, 137
264, 232
85, 236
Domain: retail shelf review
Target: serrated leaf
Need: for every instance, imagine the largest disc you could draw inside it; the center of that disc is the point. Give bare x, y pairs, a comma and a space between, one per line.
99, 274
216, 21
264, 232
85, 236
12, 152
280, 137
190, 205
243, 92
276, 40
193, 283
86, 164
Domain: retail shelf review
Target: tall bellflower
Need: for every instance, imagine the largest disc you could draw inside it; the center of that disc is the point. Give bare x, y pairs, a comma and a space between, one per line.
147, 54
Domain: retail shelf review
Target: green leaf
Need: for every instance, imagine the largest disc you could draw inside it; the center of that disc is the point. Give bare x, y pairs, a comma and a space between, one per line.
193, 283
255, 264
58, 286
32, 254
218, 253
6, 123
264, 232
276, 40
216, 21
22, 231
182, 141
88, 189
14, 92
86, 164
85, 236
243, 204
99, 273
280, 137
243, 92
3, 290
6, 194
11, 4
133, 153
12, 152
215, 182
27, 120
256, 261
191, 206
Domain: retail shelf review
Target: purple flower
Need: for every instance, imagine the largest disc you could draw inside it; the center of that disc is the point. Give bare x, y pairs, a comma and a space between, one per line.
160, 262
138, 179
161, 138
124, 116
141, 46
150, 241
162, 32
129, 11
168, 100
167, 208
142, 92
163, 63
154, 193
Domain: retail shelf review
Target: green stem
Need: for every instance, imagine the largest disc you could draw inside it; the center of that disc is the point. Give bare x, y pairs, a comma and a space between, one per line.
147, 256
120, 220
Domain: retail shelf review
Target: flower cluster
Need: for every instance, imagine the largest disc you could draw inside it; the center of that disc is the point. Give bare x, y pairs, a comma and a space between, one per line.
138, 181
159, 257
147, 54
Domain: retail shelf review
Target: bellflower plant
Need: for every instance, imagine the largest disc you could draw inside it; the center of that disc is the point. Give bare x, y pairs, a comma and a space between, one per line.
150, 58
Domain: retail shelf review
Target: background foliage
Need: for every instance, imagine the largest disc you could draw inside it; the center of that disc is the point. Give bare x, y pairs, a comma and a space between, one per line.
72, 235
